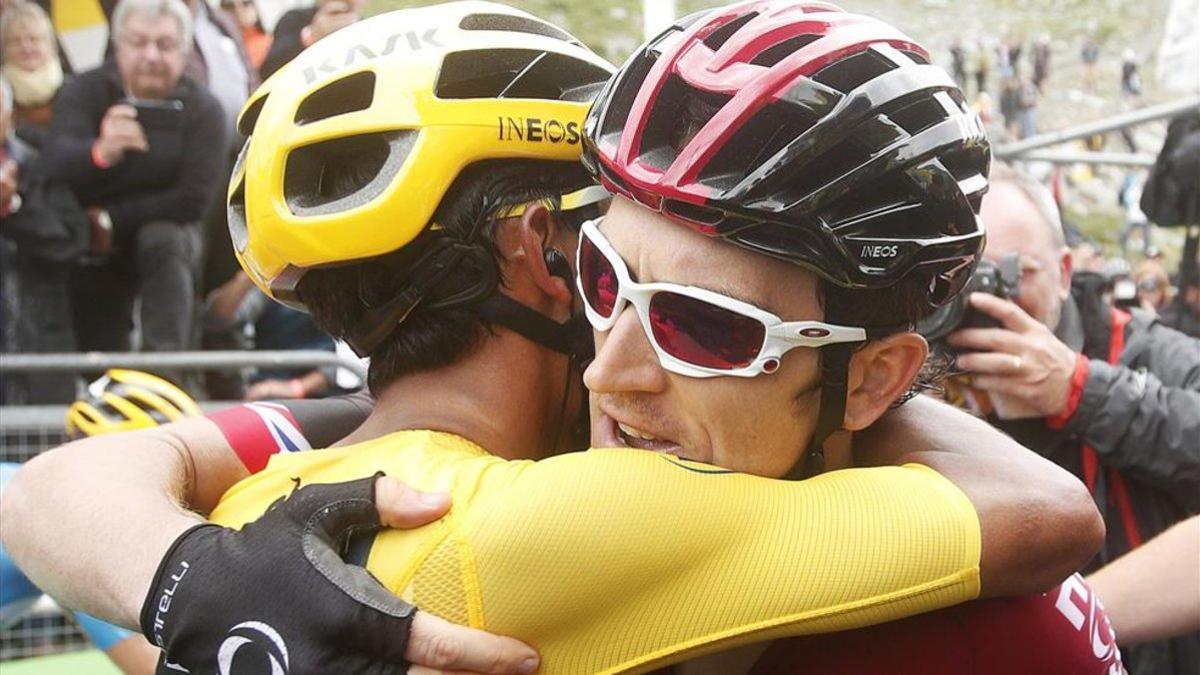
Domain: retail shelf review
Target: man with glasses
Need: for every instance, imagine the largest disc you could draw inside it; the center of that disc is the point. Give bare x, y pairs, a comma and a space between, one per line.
142, 147
498, 394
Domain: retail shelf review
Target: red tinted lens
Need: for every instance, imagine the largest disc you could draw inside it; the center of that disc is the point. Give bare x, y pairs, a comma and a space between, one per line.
703, 334
600, 285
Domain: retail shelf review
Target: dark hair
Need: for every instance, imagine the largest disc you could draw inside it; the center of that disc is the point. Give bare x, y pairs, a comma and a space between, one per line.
427, 339
898, 307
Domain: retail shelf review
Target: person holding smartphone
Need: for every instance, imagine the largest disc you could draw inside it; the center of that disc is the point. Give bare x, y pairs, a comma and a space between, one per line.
300, 28
135, 140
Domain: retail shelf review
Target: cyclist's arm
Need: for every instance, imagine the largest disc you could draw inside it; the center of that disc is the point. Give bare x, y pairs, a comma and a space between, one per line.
115, 504
1153, 593
1038, 522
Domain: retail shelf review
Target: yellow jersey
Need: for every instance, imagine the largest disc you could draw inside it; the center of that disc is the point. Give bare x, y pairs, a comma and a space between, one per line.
623, 560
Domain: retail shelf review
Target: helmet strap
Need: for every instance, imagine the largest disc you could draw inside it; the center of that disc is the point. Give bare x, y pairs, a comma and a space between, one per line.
835, 375
572, 337
444, 257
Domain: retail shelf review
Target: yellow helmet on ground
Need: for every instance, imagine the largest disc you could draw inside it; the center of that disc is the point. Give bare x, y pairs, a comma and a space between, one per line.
125, 400
408, 99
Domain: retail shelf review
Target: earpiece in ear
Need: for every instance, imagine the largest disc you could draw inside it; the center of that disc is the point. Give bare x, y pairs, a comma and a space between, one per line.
557, 264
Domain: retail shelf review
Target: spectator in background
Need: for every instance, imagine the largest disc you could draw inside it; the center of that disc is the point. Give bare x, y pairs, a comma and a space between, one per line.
1131, 77
239, 305
9, 173
1112, 397
299, 28
981, 65
1130, 198
958, 60
135, 140
220, 63
1153, 286
1010, 106
218, 60
1090, 55
43, 233
255, 39
1027, 105
1183, 314
10, 199
31, 67
1041, 61
1012, 49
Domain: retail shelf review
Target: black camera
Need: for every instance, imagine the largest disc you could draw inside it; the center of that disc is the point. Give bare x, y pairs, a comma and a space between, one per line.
1002, 280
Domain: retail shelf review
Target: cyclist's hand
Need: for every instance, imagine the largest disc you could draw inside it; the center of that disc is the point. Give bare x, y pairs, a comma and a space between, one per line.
277, 596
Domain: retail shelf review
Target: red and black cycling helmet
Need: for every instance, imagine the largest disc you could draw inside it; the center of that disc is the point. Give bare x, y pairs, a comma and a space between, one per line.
803, 132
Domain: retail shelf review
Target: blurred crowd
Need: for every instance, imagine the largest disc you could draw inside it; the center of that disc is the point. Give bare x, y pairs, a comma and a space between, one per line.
1008, 78
113, 171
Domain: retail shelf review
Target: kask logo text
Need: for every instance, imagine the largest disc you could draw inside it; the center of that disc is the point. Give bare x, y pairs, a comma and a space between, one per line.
362, 52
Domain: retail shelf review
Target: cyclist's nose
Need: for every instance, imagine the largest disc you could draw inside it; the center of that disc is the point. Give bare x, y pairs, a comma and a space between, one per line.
625, 361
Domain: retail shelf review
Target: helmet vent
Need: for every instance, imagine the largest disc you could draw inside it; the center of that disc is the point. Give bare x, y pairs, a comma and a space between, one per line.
349, 94
773, 55
760, 138
518, 73
720, 36
623, 91
343, 173
237, 217
918, 115
888, 210
794, 183
853, 71
677, 117
514, 24
695, 213
249, 116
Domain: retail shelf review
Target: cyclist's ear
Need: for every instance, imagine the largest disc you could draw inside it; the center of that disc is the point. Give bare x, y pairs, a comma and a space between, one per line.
880, 373
549, 265
523, 243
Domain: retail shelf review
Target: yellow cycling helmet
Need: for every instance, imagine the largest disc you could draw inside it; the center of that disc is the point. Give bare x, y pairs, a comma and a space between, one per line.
410, 98
125, 400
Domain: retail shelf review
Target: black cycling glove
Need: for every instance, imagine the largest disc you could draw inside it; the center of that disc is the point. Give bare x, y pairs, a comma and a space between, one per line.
277, 597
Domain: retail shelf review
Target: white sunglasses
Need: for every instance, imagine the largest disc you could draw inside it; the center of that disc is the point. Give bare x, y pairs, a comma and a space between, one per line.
695, 332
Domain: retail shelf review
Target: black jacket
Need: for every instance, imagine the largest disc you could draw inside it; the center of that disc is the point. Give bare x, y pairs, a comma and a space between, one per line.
1142, 418
50, 227
175, 180
286, 43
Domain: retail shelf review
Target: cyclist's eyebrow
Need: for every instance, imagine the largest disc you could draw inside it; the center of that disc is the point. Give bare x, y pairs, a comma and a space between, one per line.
714, 285
727, 290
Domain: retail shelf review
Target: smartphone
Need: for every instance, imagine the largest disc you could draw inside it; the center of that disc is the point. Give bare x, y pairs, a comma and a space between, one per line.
166, 115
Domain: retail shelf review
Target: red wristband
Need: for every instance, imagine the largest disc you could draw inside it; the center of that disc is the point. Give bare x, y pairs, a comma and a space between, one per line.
1074, 395
97, 158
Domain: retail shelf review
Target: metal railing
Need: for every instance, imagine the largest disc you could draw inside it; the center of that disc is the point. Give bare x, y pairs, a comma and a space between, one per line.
215, 360
1020, 150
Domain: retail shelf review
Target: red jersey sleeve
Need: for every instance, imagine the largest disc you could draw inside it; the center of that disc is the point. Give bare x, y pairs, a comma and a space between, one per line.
258, 430
1064, 631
